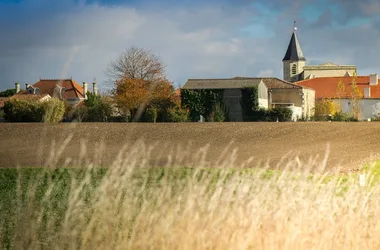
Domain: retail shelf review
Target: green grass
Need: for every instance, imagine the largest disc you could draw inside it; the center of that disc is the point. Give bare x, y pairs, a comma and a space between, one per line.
42, 194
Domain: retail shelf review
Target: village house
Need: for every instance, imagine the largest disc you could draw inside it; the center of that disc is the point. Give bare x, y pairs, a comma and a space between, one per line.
369, 96
272, 92
66, 90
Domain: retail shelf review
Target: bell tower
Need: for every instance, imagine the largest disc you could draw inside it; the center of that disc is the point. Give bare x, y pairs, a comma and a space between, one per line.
293, 61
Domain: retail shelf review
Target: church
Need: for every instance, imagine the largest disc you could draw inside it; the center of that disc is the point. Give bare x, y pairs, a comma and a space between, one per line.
295, 68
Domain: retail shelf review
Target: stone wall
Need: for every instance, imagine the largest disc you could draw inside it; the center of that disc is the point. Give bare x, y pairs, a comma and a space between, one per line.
328, 71
287, 70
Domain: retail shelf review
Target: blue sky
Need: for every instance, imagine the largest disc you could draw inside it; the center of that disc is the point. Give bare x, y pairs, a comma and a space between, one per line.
196, 39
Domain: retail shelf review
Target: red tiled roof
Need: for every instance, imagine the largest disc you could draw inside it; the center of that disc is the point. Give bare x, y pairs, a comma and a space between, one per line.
326, 87
28, 97
46, 86
3, 100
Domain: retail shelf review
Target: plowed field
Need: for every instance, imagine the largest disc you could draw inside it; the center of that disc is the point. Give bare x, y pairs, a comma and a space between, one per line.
350, 144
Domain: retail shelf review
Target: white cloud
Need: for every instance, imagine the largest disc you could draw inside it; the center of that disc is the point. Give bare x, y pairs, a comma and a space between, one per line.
194, 43
189, 44
266, 73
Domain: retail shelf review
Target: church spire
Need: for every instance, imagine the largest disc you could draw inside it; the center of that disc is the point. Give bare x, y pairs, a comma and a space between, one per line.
294, 51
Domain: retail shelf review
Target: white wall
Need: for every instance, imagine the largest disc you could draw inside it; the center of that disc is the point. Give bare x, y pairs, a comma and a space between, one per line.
263, 103
370, 108
297, 112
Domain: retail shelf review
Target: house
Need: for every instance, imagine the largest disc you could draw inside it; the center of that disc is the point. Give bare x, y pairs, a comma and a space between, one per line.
67, 90
295, 68
272, 92
369, 92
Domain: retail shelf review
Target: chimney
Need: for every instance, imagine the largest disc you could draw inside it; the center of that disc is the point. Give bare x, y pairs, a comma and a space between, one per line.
85, 89
17, 87
27, 85
367, 92
373, 79
95, 88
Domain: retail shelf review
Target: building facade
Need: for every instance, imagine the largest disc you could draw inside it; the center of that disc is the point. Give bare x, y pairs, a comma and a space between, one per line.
272, 92
366, 103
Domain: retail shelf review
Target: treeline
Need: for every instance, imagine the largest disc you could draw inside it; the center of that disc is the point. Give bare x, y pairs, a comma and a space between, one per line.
141, 92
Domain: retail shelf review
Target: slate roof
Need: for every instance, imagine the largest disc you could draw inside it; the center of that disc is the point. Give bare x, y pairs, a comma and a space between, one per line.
227, 83
326, 87
273, 83
238, 83
294, 51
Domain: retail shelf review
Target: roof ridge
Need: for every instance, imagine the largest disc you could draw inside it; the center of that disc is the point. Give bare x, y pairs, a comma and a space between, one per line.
326, 77
55, 79
239, 78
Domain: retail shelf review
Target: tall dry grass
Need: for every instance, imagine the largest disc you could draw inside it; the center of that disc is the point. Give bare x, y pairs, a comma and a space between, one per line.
134, 206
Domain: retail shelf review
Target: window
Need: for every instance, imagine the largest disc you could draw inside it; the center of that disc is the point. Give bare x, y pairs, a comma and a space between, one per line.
294, 69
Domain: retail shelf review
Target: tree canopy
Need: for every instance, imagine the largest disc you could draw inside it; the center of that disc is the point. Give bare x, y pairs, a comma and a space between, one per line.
140, 85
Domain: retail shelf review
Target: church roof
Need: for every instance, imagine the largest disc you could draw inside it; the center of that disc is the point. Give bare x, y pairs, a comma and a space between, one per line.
294, 51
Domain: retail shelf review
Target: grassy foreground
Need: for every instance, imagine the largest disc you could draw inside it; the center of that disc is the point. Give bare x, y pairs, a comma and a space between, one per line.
133, 206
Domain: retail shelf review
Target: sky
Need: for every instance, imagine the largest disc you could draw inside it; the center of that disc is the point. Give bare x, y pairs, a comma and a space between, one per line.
195, 39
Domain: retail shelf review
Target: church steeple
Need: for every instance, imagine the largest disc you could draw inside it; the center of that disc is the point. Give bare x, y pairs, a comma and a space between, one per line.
294, 60
294, 51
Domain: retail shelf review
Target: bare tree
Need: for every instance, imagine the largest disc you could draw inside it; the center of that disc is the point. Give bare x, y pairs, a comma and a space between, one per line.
136, 63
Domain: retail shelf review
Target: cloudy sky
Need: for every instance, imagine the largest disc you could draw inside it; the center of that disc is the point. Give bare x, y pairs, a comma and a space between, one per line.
195, 39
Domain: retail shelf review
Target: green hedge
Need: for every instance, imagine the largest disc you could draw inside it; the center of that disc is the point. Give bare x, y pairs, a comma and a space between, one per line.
281, 114
177, 114
50, 111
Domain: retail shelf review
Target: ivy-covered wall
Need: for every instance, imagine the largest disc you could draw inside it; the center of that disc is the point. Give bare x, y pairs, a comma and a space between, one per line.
202, 102
249, 102
208, 103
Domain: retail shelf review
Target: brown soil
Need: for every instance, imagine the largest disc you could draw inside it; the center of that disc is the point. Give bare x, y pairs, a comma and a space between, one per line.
350, 144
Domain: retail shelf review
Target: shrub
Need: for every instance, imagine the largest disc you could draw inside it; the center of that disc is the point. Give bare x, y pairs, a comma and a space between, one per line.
53, 110
7, 93
324, 108
177, 114
259, 115
50, 111
218, 114
95, 109
283, 114
151, 114
80, 114
99, 113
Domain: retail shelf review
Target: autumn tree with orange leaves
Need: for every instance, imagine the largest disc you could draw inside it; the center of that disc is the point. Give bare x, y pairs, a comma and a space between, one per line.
140, 87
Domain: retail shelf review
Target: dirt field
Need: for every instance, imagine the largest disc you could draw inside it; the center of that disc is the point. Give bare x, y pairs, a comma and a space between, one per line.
350, 143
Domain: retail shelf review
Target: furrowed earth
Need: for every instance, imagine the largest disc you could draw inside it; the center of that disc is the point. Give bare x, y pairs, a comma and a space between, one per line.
349, 145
